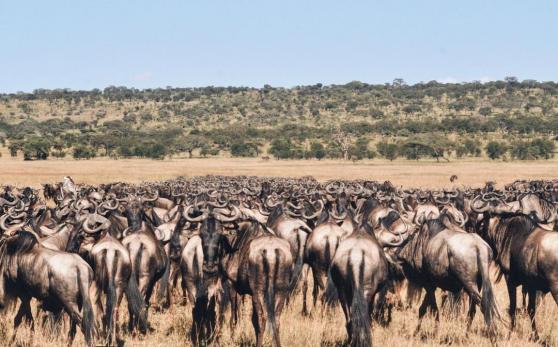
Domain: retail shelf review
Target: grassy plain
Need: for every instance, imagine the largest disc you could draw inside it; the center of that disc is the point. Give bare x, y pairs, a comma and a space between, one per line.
319, 329
400, 172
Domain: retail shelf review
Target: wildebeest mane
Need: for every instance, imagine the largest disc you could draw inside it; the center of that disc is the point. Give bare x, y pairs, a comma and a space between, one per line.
413, 250
433, 226
368, 206
21, 243
507, 229
254, 230
324, 216
274, 215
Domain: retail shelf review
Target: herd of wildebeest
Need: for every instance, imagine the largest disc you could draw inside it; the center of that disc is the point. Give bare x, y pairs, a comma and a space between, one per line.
78, 250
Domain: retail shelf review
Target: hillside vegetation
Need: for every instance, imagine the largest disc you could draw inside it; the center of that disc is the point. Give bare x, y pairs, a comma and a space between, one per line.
502, 120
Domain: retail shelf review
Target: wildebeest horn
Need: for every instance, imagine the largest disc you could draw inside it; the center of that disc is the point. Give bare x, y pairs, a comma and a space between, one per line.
293, 206
316, 214
151, 199
271, 205
482, 209
338, 217
106, 205
95, 218
186, 215
224, 219
330, 189
4, 227
217, 205
265, 213
8, 203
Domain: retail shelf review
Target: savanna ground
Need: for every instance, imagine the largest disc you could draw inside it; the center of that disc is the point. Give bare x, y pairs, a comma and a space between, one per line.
320, 329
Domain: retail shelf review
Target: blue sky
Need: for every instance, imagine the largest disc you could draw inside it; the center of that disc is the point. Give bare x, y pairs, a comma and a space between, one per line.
84, 44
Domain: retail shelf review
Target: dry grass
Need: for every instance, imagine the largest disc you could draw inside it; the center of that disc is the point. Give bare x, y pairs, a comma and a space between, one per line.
402, 172
322, 329
319, 329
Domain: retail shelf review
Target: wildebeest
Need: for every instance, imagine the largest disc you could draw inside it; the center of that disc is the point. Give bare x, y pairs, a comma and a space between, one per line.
261, 266
359, 271
440, 255
59, 280
526, 255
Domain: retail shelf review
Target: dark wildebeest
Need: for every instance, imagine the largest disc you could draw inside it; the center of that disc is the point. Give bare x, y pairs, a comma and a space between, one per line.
208, 309
112, 267
59, 280
320, 249
441, 255
149, 260
526, 255
261, 266
358, 271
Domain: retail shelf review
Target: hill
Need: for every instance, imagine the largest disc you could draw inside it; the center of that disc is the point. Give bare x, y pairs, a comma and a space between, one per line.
502, 119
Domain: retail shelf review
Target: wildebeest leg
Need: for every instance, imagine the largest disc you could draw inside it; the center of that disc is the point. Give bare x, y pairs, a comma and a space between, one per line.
531, 309
23, 311
163, 294
96, 299
513, 301
426, 303
258, 318
315, 288
234, 308
72, 332
305, 274
114, 328
345, 307
279, 304
524, 293
471, 313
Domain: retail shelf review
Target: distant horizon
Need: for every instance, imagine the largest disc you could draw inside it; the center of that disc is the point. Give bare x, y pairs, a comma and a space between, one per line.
276, 86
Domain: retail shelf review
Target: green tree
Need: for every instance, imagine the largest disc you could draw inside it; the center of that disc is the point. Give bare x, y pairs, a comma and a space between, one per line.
388, 150
244, 149
317, 150
83, 152
36, 148
282, 148
495, 149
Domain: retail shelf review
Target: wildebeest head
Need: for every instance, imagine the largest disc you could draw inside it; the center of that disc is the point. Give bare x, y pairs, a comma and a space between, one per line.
215, 244
134, 213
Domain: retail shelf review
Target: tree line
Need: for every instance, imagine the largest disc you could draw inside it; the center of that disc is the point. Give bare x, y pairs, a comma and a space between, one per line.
507, 119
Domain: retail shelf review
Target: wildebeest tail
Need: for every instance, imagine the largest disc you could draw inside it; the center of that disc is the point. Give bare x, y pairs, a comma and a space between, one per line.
269, 294
489, 307
298, 266
164, 284
359, 316
136, 303
87, 318
330, 296
111, 292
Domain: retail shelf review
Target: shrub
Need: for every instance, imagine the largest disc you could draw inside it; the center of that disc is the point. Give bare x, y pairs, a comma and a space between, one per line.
495, 149
388, 150
83, 152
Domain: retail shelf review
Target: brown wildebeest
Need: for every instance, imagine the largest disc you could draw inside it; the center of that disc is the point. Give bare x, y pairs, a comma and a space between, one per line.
358, 271
112, 269
526, 255
59, 280
261, 266
149, 260
440, 255
320, 249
